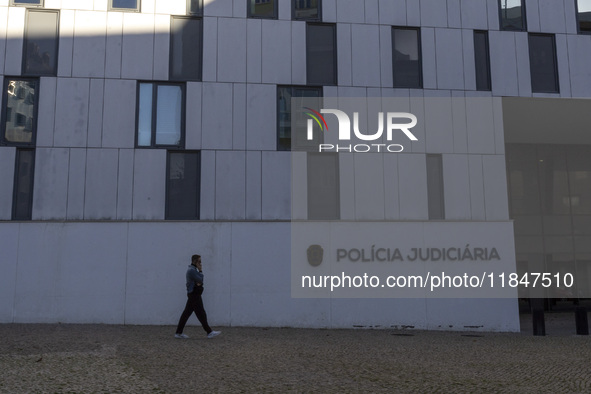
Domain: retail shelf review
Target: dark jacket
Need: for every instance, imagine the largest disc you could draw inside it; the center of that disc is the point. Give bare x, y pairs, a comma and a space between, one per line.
194, 278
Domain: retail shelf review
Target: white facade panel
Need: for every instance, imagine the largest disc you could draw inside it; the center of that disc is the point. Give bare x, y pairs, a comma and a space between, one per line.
217, 116
503, 63
476, 187
216, 8
429, 58
570, 17
276, 52
552, 16
469, 59
391, 188
284, 9
261, 117
173, 7
193, 107
254, 50
15, 31
210, 48
114, 44
119, 114
523, 66
3, 28
101, 5
329, 11
207, 188
230, 176
66, 43
474, 14
433, 13
125, 184
298, 53
579, 55
450, 65
480, 122
493, 14
276, 186
344, 54
346, 186
413, 13
46, 111
137, 46
95, 113
239, 9
412, 186
369, 187
161, 47
532, 13
454, 15
350, 11
77, 4
365, 44
253, 185
372, 12
563, 61
76, 181
148, 6
90, 29
50, 193
386, 70
149, 184
231, 50
392, 12
456, 187
9, 234
495, 187
7, 164
239, 116
71, 112
417, 108
101, 184
439, 123
460, 128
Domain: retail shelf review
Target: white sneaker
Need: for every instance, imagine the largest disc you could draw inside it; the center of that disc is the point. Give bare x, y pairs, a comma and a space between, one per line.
181, 336
213, 334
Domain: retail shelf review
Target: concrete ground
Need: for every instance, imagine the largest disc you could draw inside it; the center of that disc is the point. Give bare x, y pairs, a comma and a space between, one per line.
56, 358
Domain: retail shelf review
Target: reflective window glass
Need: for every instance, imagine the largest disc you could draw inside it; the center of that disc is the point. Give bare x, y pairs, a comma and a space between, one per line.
160, 115
23, 184
512, 14
20, 112
262, 8
406, 52
125, 5
41, 42
543, 64
286, 139
321, 63
185, 49
482, 60
182, 185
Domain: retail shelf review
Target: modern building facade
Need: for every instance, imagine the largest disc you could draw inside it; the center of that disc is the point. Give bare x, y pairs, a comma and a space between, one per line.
136, 133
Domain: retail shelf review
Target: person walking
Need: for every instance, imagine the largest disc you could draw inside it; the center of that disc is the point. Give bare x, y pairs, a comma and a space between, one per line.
194, 302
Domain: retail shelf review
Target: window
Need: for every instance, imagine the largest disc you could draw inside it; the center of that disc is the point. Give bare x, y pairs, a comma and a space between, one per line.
186, 48
195, 7
584, 16
41, 42
262, 9
321, 54
286, 138
406, 57
323, 186
19, 115
27, 3
183, 185
512, 14
482, 60
435, 187
307, 9
124, 5
22, 201
543, 63
160, 115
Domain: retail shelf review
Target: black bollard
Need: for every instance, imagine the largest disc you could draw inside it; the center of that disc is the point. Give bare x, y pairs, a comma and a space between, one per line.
581, 321
538, 321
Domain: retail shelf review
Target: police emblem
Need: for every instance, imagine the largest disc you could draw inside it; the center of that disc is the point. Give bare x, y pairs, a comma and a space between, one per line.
315, 254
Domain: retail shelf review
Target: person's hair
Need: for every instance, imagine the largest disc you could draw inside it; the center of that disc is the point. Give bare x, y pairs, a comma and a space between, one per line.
194, 258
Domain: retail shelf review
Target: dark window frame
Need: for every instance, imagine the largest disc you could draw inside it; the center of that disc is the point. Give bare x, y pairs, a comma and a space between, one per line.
315, 19
252, 16
3, 141
167, 189
198, 13
136, 9
488, 86
41, 4
579, 31
279, 146
335, 58
420, 61
16, 183
554, 60
26, 41
523, 17
199, 78
155, 85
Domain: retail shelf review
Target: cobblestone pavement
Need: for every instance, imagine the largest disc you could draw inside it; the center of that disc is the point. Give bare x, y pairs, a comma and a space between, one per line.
142, 359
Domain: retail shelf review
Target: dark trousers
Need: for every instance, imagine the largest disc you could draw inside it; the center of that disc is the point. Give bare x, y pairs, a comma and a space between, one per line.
194, 304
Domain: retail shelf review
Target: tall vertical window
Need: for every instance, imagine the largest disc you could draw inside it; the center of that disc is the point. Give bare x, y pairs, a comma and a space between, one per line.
19, 112
543, 64
512, 14
41, 42
124, 5
195, 7
27, 3
22, 201
288, 139
186, 48
323, 186
262, 9
584, 16
406, 57
160, 115
307, 9
183, 176
321, 54
482, 60
435, 187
